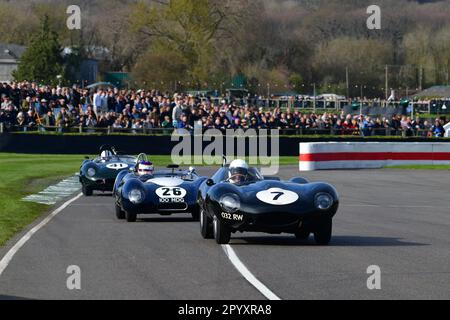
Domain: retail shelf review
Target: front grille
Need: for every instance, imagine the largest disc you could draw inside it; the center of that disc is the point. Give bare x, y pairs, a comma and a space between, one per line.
275, 219
172, 207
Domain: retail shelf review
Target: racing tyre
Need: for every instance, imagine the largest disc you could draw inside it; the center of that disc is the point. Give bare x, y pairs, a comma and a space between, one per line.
222, 233
119, 213
206, 226
87, 192
303, 234
131, 217
323, 233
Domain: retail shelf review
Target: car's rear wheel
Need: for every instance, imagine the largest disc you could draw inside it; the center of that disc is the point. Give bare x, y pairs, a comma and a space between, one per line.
120, 214
324, 231
206, 226
222, 232
131, 217
87, 191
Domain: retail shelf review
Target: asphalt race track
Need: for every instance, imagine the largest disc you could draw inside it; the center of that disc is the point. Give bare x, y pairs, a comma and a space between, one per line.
396, 219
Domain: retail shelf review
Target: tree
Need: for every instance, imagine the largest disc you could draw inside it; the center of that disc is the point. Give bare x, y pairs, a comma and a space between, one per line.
188, 27
42, 61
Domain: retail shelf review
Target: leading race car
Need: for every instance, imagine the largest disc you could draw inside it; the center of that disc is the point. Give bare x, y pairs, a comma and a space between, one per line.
100, 174
239, 199
165, 192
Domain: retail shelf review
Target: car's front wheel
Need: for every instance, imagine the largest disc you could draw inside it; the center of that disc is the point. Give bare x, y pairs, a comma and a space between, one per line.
206, 226
303, 234
87, 191
131, 217
323, 233
196, 215
120, 214
222, 232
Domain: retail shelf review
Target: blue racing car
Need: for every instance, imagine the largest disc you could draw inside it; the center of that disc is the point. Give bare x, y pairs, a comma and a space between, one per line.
164, 192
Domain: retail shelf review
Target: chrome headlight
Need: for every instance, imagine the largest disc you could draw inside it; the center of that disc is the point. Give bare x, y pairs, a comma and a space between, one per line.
136, 196
323, 201
230, 203
91, 172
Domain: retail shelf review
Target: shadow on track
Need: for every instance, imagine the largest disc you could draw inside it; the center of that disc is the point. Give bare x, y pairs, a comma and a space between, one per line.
337, 241
11, 298
165, 220
102, 195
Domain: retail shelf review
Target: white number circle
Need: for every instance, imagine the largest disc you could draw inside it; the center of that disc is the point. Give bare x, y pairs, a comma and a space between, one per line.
169, 192
117, 166
277, 197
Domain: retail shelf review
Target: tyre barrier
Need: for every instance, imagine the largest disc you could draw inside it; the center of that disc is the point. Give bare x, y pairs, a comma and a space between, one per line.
371, 155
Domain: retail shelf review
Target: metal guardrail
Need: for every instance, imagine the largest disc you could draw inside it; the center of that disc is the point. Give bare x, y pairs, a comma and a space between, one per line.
387, 132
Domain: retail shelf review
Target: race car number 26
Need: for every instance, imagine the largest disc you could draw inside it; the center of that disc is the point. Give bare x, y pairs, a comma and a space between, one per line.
171, 193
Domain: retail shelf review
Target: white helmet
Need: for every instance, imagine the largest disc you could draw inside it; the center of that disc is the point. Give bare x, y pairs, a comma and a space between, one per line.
238, 171
106, 154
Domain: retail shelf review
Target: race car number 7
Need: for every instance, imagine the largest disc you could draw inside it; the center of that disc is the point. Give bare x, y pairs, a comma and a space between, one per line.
277, 197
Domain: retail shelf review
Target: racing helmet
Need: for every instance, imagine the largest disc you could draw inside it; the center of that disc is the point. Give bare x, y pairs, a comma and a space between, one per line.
238, 171
106, 154
144, 168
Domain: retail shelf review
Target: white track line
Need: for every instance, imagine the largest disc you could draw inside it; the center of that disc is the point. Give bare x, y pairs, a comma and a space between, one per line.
12, 252
237, 263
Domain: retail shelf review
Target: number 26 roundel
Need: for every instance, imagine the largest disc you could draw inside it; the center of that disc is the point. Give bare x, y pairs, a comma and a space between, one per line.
277, 197
168, 192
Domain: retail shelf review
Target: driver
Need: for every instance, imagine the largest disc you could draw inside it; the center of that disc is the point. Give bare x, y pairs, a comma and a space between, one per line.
106, 155
239, 172
145, 168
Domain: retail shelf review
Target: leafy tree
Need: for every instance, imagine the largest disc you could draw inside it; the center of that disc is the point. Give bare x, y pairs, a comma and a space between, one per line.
42, 61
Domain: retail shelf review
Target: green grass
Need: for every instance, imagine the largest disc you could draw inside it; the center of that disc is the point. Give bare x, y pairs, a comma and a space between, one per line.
421, 167
22, 175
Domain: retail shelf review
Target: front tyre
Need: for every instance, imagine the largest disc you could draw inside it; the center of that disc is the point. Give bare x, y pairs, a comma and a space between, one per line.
130, 217
323, 233
206, 226
120, 214
87, 191
222, 232
196, 214
302, 234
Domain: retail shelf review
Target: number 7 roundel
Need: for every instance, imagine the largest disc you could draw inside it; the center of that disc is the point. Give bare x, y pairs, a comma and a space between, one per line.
277, 197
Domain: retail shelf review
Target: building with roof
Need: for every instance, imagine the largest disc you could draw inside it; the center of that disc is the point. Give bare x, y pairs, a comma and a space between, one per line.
436, 92
9, 59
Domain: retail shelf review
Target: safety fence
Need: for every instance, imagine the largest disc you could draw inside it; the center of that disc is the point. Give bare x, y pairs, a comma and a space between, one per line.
369, 132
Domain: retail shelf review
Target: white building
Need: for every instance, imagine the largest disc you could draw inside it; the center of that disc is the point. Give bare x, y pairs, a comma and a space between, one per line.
9, 59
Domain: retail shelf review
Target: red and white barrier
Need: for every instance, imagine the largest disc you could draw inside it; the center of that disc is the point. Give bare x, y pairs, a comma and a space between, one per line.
370, 155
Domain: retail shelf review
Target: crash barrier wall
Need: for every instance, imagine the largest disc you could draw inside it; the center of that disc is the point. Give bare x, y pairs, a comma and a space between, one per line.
371, 155
156, 145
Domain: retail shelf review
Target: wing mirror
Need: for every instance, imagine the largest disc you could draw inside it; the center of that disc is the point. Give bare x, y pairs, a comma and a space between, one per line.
192, 170
210, 182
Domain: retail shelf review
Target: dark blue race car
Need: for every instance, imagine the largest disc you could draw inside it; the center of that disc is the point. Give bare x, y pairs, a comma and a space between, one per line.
165, 192
100, 173
244, 201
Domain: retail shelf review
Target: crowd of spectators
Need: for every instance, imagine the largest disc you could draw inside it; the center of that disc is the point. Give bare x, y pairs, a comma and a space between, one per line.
28, 106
